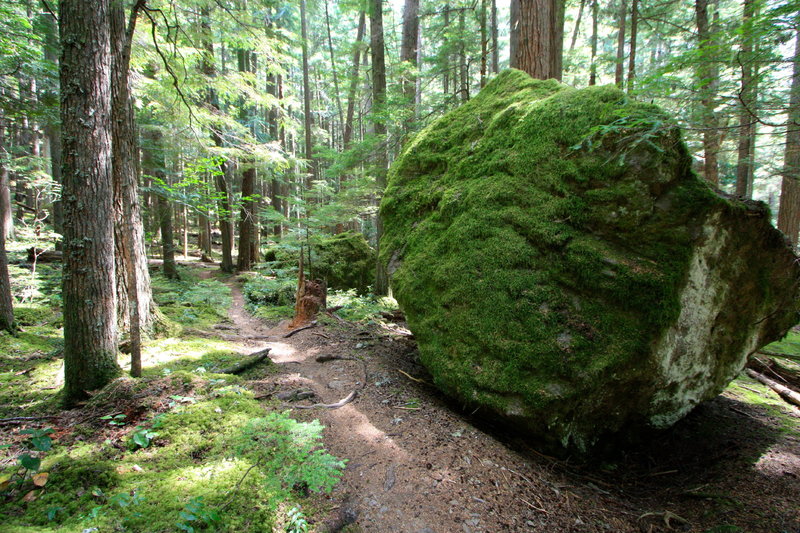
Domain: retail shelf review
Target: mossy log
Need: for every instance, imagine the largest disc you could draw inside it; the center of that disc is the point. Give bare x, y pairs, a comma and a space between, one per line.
252, 360
563, 268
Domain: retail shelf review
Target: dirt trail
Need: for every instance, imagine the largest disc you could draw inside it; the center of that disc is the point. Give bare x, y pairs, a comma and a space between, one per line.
415, 464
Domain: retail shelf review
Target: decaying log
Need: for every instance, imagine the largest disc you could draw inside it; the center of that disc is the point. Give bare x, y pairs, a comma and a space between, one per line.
786, 393
39, 255
309, 299
775, 370
253, 360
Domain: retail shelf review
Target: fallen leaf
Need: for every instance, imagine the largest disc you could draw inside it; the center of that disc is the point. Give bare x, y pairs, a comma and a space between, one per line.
40, 480
5, 481
32, 495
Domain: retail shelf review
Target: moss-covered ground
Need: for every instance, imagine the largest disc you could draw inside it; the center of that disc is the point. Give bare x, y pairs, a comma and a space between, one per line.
182, 449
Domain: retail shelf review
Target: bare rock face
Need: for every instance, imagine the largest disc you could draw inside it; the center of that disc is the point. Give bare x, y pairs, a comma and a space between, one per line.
562, 266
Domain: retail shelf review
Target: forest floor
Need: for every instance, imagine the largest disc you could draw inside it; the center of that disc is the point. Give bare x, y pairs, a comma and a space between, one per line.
415, 462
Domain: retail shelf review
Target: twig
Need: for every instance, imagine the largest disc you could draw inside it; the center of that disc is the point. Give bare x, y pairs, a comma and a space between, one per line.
344, 401
236, 488
533, 506
17, 419
309, 326
412, 378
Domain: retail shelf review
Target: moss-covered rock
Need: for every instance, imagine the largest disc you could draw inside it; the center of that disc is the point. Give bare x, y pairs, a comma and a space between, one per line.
561, 265
345, 261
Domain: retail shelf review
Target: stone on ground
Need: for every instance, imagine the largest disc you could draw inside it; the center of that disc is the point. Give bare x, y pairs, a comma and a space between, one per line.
562, 266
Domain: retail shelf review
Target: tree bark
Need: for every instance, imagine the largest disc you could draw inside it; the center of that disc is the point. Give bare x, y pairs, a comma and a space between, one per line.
619, 70
333, 70
246, 226
134, 298
484, 43
748, 94
6, 302
514, 33
789, 213
539, 50
495, 40
577, 26
307, 119
446, 58
379, 102
593, 61
408, 47
351, 96
90, 332
6, 220
632, 54
708, 74
463, 68
52, 128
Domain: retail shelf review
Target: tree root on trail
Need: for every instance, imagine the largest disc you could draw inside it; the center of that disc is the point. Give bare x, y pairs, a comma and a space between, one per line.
241, 366
297, 330
344, 401
786, 393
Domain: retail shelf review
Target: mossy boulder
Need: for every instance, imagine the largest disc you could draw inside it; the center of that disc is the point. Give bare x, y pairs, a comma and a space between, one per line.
562, 266
345, 261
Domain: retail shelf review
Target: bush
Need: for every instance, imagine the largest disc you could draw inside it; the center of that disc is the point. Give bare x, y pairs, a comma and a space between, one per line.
260, 290
344, 261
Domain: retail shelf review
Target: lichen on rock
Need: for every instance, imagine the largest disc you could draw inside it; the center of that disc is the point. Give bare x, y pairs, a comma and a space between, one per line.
562, 266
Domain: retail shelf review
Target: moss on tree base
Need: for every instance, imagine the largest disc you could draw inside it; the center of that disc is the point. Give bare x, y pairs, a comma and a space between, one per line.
562, 266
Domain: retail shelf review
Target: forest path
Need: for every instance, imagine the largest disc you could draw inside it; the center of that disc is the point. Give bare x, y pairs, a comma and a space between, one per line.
415, 465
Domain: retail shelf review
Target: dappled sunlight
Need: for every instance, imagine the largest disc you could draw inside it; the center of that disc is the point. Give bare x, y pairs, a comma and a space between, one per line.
353, 421
281, 352
779, 463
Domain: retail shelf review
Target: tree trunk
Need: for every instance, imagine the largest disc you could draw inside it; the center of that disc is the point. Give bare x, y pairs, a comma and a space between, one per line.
90, 332
351, 95
708, 74
749, 96
52, 128
379, 102
632, 54
333, 69
484, 43
577, 26
495, 40
446, 58
220, 181
6, 302
514, 34
593, 61
619, 70
135, 305
789, 213
245, 260
6, 220
463, 67
539, 50
307, 119
408, 47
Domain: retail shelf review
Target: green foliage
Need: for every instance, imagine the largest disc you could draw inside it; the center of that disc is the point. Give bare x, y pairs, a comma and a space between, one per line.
360, 308
291, 450
297, 522
263, 291
191, 301
196, 515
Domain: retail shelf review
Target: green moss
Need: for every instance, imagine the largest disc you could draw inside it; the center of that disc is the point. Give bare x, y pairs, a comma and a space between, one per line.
538, 239
344, 261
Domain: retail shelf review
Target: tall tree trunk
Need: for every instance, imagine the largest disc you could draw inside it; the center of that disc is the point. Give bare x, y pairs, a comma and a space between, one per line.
541, 38
446, 59
351, 95
6, 302
748, 94
619, 70
463, 67
220, 181
577, 26
246, 233
514, 34
333, 68
6, 220
495, 40
135, 304
789, 213
632, 54
593, 61
154, 164
708, 74
408, 47
90, 325
379, 102
52, 128
307, 119
484, 43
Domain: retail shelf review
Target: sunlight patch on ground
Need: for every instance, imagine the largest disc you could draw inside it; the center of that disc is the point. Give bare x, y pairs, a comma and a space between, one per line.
360, 424
283, 353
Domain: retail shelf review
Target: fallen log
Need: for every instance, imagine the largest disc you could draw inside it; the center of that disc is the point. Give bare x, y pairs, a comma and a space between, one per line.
786, 393
253, 360
775, 370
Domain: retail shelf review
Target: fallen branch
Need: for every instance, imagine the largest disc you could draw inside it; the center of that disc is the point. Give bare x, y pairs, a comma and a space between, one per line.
774, 370
412, 378
786, 393
344, 401
20, 419
297, 330
241, 366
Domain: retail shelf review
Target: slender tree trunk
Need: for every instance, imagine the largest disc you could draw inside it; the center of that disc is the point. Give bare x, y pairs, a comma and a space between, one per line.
408, 47
220, 180
463, 68
6, 221
789, 213
90, 332
619, 70
539, 51
495, 40
632, 54
6, 302
748, 94
708, 74
514, 35
577, 26
484, 43
351, 96
593, 61
379, 101
333, 67
446, 60
52, 128
244, 262
307, 118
